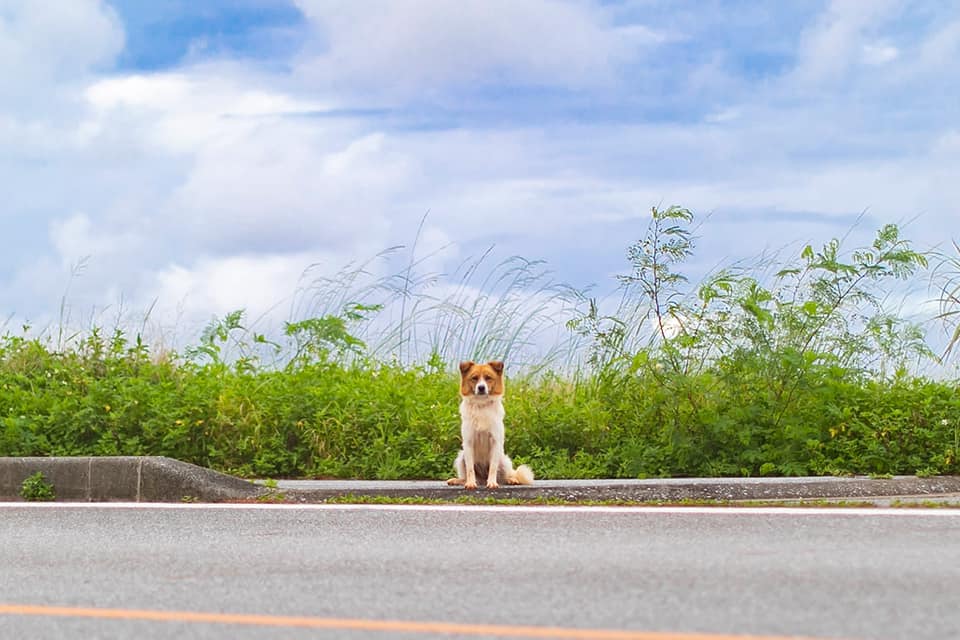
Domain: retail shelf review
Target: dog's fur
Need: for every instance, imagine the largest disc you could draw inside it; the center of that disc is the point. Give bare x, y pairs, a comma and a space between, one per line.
481, 428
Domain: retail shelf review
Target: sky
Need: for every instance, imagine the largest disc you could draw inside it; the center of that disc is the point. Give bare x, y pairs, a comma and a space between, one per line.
190, 158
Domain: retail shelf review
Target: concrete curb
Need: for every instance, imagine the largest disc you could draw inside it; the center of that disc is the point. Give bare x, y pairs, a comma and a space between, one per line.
124, 479
659, 490
159, 479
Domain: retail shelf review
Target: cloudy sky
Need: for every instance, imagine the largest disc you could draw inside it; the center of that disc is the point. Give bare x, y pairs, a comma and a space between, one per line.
195, 157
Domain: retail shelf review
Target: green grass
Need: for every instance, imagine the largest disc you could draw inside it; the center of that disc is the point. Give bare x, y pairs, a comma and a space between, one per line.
781, 369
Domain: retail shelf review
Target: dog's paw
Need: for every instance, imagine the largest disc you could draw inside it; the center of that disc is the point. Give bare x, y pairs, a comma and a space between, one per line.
470, 486
492, 484
455, 482
513, 480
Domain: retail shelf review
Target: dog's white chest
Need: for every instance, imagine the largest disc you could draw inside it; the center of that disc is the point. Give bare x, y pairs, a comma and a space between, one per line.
486, 416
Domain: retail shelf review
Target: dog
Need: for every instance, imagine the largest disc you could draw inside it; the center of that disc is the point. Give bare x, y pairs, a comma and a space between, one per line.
481, 430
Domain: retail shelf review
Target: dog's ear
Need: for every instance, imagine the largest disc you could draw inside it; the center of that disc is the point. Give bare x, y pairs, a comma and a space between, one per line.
465, 366
496, 365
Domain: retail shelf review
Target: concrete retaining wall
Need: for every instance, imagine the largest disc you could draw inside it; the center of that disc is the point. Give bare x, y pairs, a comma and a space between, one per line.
124, 479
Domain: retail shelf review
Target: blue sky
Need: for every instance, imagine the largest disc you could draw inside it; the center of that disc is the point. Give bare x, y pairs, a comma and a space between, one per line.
164, 35
196, 157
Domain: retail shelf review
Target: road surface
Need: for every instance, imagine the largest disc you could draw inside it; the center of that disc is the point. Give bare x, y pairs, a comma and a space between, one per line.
234, 571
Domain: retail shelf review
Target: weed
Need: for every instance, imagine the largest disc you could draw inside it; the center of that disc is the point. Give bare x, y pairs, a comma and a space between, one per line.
35, 488
555, 501
924, 504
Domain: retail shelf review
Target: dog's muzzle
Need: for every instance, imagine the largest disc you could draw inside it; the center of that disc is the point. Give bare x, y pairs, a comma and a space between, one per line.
481, 389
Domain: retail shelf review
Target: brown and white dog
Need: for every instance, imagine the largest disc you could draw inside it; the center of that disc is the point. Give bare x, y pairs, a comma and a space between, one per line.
481, 428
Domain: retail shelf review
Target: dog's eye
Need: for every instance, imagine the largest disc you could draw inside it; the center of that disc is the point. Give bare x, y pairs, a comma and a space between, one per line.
475, 378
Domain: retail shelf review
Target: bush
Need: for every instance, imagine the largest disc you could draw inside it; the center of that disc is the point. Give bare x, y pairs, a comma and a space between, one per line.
799, 373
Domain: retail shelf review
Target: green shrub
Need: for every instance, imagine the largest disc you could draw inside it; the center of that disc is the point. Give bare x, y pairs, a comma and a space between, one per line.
799, 372
35, 488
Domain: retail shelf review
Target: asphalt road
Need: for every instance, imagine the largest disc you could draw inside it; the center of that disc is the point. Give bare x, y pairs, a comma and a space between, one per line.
108, 571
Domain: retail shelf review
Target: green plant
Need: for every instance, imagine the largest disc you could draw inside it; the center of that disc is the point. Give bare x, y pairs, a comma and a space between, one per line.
946, 280
35, 488
326, 337
652, 288
781, 367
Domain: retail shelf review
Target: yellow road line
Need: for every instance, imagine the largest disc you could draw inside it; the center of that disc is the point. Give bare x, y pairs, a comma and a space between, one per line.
353, 624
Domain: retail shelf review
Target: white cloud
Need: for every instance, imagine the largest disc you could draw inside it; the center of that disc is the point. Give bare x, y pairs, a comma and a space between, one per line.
407, 48
258, 172
181, 112
724, 115
216, 286
42, 43
76, 239
839, 39
284, 187
878, 54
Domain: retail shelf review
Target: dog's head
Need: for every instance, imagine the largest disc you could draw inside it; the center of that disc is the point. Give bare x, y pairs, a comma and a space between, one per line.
481, 380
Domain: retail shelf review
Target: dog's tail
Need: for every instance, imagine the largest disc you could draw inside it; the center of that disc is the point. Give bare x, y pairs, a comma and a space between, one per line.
523, 474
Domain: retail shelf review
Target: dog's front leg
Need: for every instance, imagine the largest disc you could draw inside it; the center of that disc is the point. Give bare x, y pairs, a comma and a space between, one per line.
494, 465
468, 462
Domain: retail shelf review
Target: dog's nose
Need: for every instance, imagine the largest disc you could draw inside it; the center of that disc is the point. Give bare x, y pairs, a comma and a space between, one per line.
482, 389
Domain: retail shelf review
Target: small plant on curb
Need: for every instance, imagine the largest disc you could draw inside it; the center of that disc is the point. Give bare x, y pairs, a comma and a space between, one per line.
36, 489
